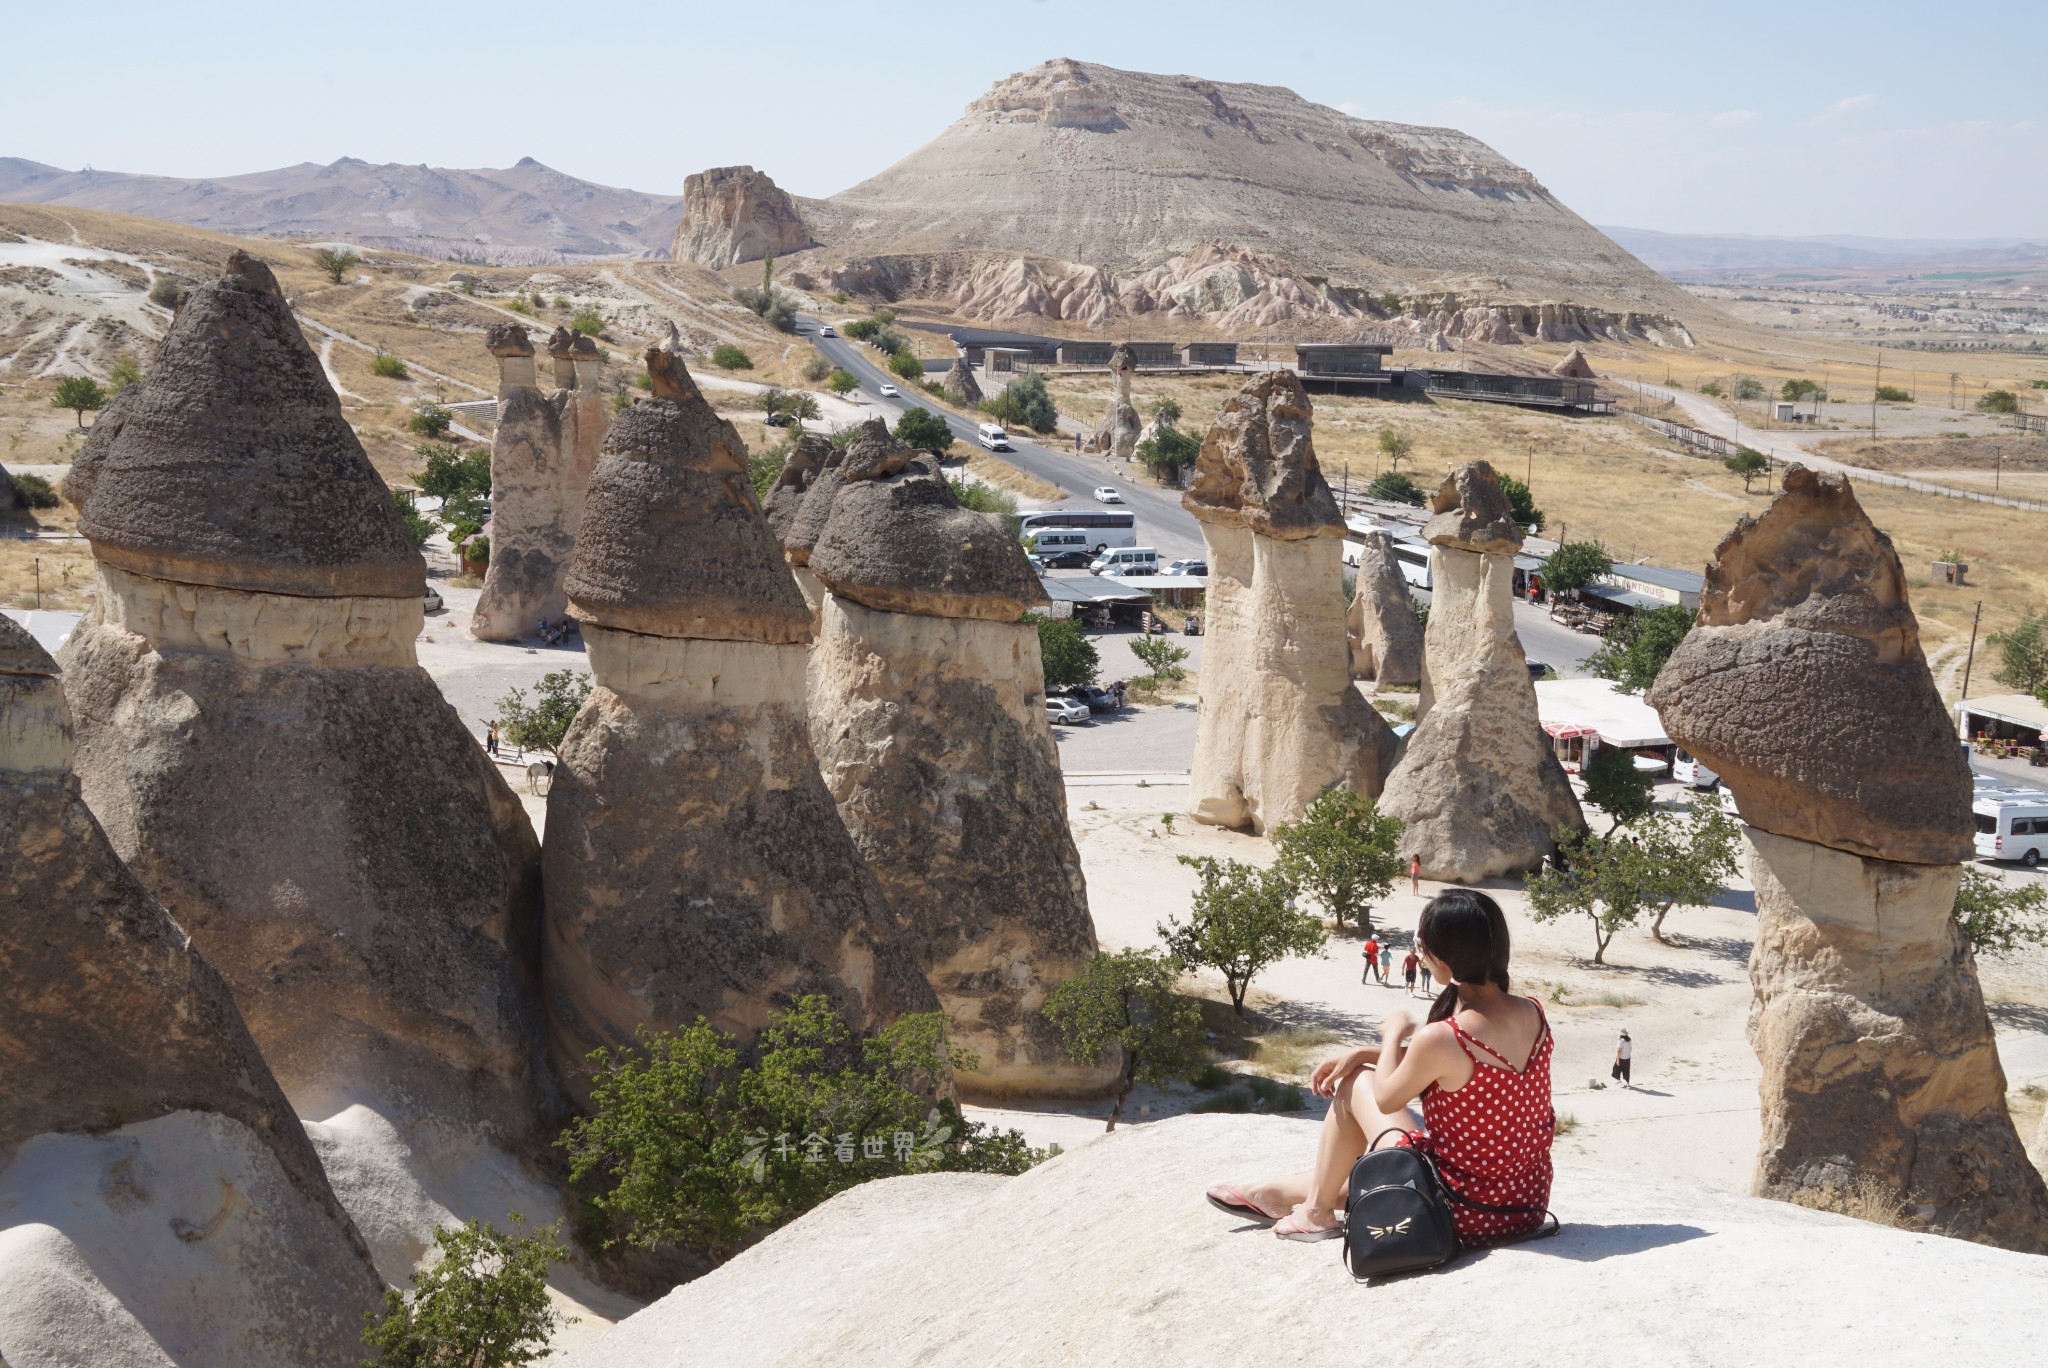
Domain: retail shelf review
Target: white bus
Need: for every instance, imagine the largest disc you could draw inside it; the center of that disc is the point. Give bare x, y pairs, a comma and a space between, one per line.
1103, 530
1413, 560
2011, 826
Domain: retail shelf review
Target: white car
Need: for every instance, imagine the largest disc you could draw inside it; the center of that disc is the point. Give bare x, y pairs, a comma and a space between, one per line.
1108, 494
826, 331
887, 391
1065, 712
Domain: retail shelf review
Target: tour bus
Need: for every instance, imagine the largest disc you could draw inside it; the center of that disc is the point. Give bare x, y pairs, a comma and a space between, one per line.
2012, 826
1103, 530
992, 436
1687, 768
1413, 559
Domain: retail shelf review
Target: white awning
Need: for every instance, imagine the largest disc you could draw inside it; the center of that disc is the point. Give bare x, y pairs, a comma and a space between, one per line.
2019, 710
1577, 707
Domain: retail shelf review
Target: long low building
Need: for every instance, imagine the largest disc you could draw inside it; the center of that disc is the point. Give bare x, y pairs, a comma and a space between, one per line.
1574, 712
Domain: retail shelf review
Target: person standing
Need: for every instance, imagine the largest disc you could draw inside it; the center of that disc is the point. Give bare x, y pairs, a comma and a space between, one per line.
1386, 965
1424, 970
1372, 959
1415, 873
1408, 970
1624, 1054
491, 736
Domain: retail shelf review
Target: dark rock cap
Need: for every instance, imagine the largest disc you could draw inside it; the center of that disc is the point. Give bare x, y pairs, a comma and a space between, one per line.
786, 499
673, 542
1803, 685
1472, 513
234, 466
92, 455
564, 345
22, 654
801, 530
900, 542
508, 339
1258, 465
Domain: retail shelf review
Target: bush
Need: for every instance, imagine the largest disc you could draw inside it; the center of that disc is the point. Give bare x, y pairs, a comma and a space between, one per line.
1127, 1001
769, 304
1161, 657
477, 552
690, 1142
519, 306
587, 321
430, 420
1635, 649
1067, 655
125, 371
1712, 389
985, 498
904, 366
483, 1303
726, 356
1892, 394
765, 467
335, 264
389, 367
1746, 388
541, 724
891, 343
165, 291
1394, 487
1167, 411
1998, 920
842, 382
33, 491
816, 369
1168, 451
1801, 389
926, 431
1025, 403
418, 525
1999, 401
862, 329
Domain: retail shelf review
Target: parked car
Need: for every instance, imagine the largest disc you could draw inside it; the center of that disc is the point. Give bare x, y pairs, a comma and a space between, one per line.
1069, 560
1096, 698
1037, 564
1108, 494
433, 600
777, 419
887, 391
1187, 567
1687, 769
1065, 712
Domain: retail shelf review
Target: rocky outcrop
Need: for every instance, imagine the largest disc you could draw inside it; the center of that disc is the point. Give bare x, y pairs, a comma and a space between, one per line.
1510, 324
927, 714
733, 214
1575, 366
809, 462
1386, 636
960, 385
541, 458
257, 738
1803, 685
1278, 720
1478, 786
696, 865
161, 1201
1118, 433
2038, 1150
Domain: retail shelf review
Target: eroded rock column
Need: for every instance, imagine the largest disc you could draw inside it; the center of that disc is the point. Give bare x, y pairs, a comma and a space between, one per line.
1279, 720
696, 865
1386, 636
928, 717
1803, 685
1478, 785
1118, 434
810, 462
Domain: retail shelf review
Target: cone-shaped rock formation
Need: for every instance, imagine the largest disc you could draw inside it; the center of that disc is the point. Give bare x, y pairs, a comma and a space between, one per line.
148, 1160
1386, 636
695, 864
960, 385
1279, 720
1803, 685
1118, 434
927, 712
1478, 785
1575, 366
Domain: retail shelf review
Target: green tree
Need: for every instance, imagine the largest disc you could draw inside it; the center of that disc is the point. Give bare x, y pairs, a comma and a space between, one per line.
166, 291
1604, 880
842, 382
905, 366
335, 263
1999, 401
1394, 487
386, 366
1689, 857
81, 394
1892, 394
1748, 464
125, 371
1636, 648
1622, 791
543, 723
1127, 1000
1746, 388
587, 321
1712, 389
1396, 447
1344, 852
447, 471
800, 405
726, 356
1998, 919
2023, 654
431, 420
1168, 451
1390, 303
482, 1304
1801, 389
418, 525
1068, 656
765, 467
1161, 657
862, 329
1574, 565
1167, 411
33, 491
691, 1141
1242, 920
923, 429
1024, 402
1521, 503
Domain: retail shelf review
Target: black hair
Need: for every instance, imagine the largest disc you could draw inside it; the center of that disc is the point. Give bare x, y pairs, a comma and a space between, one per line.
1468, 932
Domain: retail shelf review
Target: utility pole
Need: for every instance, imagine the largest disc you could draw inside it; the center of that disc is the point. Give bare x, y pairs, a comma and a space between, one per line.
39, 583
1529, 474
1971, 658
1875, 386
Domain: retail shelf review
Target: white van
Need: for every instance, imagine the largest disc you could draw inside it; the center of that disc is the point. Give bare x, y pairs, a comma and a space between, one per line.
992, 436
1127, 560
1688, 769
1062, 548
2012, 828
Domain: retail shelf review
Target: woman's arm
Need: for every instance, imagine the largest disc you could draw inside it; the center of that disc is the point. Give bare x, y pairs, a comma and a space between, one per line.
1408, 1065
1338, 1067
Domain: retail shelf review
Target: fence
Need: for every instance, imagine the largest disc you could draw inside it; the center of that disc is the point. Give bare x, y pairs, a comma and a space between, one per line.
1720, 446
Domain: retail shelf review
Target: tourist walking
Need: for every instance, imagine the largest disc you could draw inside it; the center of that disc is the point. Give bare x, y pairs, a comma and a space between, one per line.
1486, 1119
491, 736
1423, 969
1408, 971
1624, 1052
1372, 959
1415, 873
1386, 965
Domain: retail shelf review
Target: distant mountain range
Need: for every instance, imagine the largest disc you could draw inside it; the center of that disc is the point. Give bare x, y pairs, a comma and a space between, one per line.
526, 214
1707, 252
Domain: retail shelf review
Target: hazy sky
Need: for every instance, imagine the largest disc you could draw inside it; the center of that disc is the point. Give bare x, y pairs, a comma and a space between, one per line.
1793, 117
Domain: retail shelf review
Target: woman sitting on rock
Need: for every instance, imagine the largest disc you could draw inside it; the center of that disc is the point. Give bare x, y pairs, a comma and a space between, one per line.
1481, 1067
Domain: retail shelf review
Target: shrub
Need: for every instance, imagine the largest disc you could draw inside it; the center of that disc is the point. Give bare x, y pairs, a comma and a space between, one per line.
1394, 487
1025, 403
561, 301
890, 343
519, 306
388, 366
690, 1142
1167, 411
862, 329
985, 498
430, 420
1712, 389
541, 724
926, 431
477, 551
1999, 401
125, 371
816, 369
1892, 394
587, 321
765, 467
1126, 1000
166, 291
483, 1303
842, 382
33, 491
726, 356
81, 394
419, 526
1746, 388
1801, 389
769, 304
1390, 302
1168, 451
1997, 919
904, 366
1161, 657
334, 264
1067, 655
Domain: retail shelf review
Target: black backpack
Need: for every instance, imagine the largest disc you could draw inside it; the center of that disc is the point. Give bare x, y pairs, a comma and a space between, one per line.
1398, 1216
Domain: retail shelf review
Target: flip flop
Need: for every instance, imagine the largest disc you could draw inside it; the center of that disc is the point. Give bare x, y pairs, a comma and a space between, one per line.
1295, 1226
1241, 1206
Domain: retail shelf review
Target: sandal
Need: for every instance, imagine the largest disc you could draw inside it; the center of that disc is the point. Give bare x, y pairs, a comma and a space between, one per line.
1235, 1203
1296, 1226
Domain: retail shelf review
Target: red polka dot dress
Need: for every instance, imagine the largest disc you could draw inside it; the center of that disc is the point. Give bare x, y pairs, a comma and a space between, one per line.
1491, 1138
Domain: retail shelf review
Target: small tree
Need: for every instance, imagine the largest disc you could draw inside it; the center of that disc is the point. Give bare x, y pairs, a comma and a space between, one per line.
80, 394
1067, 655
1396, 447
923, 429
1801, 389
842, 382
1344, 852
1521, 502
1622, 791
1161, 657
1574, 565
1395, 487
800, 405
1127, 1000
1711, 388
431, 420
765, 467
483, 1303
335, 263
388, 367
1242, 920
1748, 464
981, 497
904, 366
2023, 654
1746, 388
33, 491
1997, 919
125, 371
418, 525
166, 291
1999, 401
1635, 649
543, 723
1025, 402
1689, 856
1167, 452
448, 472
726, 356
587, 321
1603, 880
1892, 394
1167, 411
